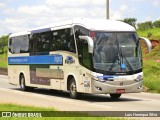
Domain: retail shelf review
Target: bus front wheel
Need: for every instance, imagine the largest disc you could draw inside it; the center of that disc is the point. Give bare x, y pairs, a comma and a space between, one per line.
115, 96
73, 89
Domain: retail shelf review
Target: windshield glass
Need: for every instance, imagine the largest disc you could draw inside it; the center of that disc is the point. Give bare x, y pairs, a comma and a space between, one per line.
117, 52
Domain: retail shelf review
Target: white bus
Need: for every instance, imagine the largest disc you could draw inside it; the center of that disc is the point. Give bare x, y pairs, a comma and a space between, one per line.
81, 56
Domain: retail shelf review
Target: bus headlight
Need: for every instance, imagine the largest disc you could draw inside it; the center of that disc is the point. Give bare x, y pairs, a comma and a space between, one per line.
139, 78
101, 80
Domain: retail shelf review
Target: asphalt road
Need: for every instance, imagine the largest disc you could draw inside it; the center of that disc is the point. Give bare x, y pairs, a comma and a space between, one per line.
62, 101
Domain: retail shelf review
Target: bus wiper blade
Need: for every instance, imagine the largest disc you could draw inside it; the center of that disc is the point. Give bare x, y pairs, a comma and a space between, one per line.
114, 61
117, 57
123, 56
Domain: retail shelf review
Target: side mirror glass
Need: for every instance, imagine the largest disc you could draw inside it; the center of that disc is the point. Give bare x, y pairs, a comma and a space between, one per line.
90, 42
148, 43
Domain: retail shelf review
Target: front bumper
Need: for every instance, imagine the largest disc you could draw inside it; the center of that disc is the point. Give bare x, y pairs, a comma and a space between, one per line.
112, 87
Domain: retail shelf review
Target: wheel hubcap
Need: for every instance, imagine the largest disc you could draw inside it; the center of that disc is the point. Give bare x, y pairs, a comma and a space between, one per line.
22, 83
73, 88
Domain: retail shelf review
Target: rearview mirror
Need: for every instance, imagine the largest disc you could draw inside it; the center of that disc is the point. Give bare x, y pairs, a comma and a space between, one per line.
148, 43
90, 42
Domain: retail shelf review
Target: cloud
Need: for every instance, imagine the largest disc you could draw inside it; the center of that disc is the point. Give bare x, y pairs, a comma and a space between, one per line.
148, 18
2, 5
74, 3
156, 2
27, 17
121, 12
40, 10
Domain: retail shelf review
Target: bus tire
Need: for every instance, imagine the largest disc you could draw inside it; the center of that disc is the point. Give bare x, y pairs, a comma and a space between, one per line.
73, 89
23, 86
115, 96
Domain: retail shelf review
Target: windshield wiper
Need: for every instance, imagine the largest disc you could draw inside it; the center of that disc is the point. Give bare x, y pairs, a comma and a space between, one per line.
123, 56
120, 58
117, 57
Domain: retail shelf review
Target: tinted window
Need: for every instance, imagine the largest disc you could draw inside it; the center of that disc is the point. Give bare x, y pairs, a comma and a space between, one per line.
63, 40
79, 30
19, 44
85, 57
40, 42
82, 46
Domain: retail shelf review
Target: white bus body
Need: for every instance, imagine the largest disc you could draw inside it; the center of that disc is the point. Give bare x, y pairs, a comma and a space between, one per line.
81, 56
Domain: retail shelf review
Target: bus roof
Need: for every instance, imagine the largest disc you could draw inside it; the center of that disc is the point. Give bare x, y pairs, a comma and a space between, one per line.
103, 24
91, 24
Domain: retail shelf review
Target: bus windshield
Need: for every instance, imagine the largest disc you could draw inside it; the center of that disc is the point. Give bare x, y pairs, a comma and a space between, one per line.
117, 52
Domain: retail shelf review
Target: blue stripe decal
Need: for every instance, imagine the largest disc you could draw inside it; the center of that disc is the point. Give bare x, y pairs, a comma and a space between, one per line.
41, 59
105, 77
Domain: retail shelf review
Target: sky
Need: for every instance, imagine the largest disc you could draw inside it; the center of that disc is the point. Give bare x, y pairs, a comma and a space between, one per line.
21, 15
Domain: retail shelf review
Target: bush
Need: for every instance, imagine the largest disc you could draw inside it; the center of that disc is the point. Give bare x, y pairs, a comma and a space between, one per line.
149, 34
157, 24
145, 25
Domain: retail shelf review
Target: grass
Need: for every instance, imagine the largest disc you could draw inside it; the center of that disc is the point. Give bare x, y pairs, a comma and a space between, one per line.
3, 60
155, 33
13, 107
154, 54
151, 68
151, 71
150, 34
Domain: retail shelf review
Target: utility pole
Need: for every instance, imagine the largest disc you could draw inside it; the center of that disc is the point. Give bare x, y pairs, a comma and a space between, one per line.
107, 9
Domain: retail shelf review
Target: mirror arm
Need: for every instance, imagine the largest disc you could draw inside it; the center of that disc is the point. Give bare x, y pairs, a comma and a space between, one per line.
148, 42
90, 42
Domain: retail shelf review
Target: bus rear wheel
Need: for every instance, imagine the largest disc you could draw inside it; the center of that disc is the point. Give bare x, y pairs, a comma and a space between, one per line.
73, 89
115, 96
23, 86
22, 83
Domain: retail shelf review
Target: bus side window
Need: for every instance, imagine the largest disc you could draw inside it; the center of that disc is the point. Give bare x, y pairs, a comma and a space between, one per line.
84, 55
10, 45
79, 30
40, 42
63, 40
45, 39
15, 45
82, 46
24, 44
34, 43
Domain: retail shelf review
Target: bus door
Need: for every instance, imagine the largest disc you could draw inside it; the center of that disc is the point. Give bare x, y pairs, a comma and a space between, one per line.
85, 62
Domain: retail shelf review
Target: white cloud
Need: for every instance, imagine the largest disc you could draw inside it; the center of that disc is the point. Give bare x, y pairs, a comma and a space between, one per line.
29, 16
148, 18
74, 3
2, 5
40, 10
119, 13
156, 2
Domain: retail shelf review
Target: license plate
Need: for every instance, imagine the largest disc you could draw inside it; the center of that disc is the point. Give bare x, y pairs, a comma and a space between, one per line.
120, 91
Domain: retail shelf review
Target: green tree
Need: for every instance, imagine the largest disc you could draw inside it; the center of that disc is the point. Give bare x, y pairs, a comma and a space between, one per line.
145, 26
130, 21
3, 43
156, 24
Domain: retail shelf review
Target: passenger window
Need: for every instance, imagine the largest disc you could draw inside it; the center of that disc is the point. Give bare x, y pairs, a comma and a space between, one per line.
40, 42
63, 40
24, 44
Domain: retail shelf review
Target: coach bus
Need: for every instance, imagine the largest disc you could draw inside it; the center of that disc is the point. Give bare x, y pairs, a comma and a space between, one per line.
82, 55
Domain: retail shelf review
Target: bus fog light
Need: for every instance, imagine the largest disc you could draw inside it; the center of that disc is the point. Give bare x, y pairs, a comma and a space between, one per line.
99, 88
139, 87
